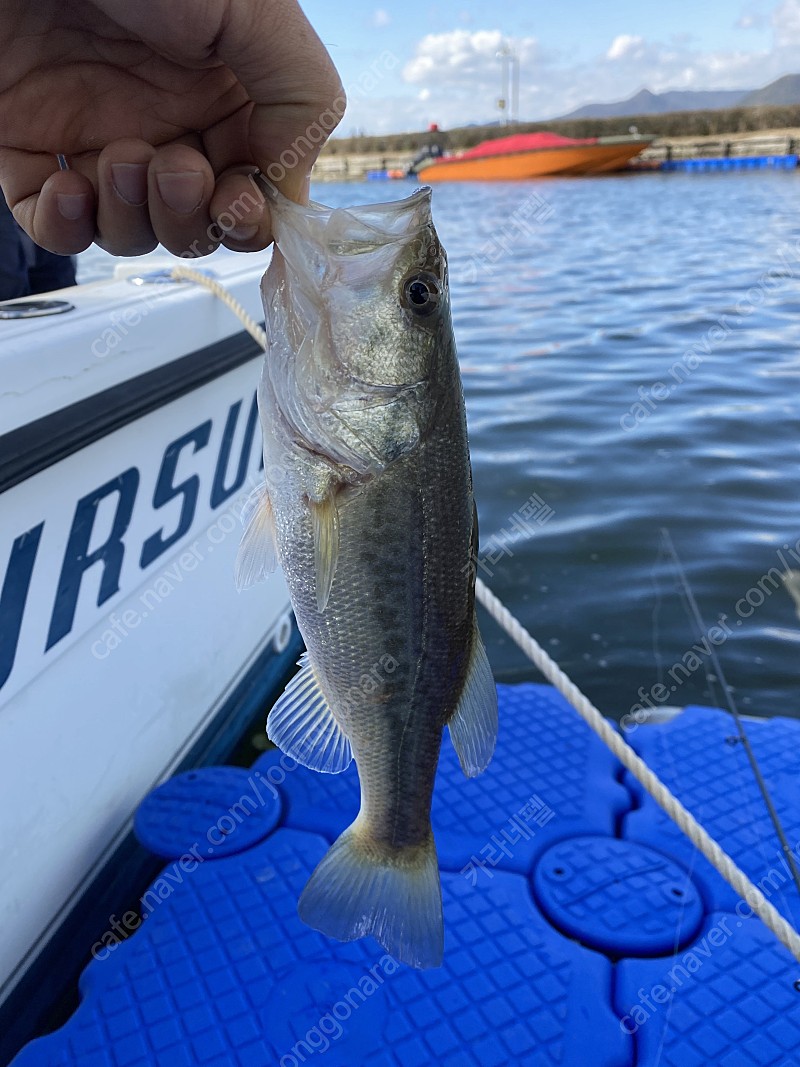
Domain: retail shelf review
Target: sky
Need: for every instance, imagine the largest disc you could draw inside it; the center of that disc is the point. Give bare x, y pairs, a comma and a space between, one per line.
405, 65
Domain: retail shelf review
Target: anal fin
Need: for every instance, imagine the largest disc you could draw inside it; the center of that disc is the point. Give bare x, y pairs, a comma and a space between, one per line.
302, 725
473, 727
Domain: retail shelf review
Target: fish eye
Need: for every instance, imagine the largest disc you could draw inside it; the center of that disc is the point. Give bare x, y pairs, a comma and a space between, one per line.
421, 292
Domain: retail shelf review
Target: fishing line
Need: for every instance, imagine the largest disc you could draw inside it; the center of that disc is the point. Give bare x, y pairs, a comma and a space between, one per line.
665, 556
656, 617
729, 698
659, 598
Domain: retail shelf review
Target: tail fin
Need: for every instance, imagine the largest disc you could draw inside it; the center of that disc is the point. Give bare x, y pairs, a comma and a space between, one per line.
359, 889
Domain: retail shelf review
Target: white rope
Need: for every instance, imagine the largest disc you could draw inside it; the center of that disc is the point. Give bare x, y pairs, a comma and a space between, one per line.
685, 821
184, 273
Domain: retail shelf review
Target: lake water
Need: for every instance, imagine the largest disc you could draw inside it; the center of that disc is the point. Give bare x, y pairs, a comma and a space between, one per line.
630, 348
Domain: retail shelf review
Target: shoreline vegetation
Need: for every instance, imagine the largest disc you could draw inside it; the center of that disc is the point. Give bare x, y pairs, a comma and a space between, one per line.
671, 124
731, 131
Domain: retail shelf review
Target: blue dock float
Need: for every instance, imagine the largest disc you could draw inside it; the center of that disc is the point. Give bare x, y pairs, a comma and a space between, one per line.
582, 930
788, 162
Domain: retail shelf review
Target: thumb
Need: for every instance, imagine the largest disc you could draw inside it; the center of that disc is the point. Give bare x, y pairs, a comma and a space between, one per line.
298, 99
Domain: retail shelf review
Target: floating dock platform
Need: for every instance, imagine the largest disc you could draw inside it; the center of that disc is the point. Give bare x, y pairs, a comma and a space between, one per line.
582, 929
783, 162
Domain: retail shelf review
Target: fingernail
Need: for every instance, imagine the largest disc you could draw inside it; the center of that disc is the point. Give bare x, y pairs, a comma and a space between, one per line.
242, 233
182, 192
130, 182
72, 205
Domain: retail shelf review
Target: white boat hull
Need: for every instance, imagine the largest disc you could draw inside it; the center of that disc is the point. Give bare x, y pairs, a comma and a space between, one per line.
125, 454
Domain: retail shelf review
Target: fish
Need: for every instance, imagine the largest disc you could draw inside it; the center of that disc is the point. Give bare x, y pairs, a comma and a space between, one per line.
367, 506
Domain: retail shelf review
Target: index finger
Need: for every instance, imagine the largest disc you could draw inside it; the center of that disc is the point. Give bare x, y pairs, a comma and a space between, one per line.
292, 80
276, 56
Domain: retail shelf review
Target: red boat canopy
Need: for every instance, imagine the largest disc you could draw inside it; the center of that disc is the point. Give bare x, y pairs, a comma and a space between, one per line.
522, 142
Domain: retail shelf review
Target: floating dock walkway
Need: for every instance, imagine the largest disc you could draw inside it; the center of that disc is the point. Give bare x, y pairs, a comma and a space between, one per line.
582, 929
788, 162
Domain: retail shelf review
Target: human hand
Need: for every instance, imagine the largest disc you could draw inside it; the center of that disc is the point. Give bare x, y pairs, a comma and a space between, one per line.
162, 110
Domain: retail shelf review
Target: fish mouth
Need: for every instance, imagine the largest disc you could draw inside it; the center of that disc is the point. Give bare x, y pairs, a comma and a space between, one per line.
331, 262
351, 231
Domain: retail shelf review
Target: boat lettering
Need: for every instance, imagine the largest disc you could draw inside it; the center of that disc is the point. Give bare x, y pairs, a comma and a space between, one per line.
106, 514
14, 594
219, 491
165, 491
78, 559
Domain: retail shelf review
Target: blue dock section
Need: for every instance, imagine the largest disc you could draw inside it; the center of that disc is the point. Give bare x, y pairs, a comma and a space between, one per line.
581, 929
788, 162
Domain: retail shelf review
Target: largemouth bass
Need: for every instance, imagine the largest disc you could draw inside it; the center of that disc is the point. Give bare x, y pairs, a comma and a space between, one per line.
368, 508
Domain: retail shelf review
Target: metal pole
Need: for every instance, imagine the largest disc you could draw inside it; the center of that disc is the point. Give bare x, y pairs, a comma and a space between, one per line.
505, 88
515, 87
504, 102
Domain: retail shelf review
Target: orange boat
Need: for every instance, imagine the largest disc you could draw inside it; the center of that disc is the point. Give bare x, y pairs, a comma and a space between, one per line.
534, 155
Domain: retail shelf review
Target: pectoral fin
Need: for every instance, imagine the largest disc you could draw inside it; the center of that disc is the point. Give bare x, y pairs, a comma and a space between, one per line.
302, 725
473, 727
325, 523
256, 558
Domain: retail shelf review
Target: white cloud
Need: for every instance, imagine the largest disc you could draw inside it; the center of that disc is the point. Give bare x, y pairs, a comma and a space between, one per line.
625, 45
381, 18
462, 56
460, 73
454, 78
786, 24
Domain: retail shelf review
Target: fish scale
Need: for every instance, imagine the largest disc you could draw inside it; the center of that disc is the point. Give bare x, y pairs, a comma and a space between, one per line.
356, 630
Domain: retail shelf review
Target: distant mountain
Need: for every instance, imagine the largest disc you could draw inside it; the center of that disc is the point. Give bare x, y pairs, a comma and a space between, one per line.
785, 90
646, 103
